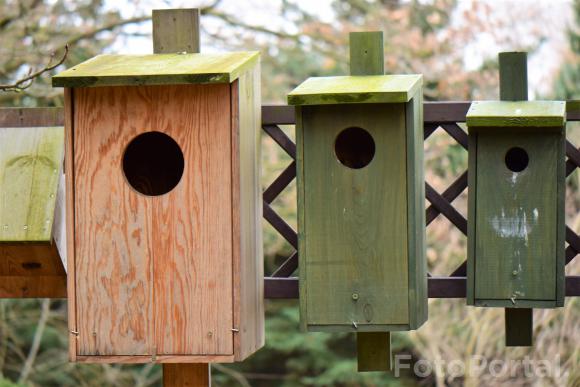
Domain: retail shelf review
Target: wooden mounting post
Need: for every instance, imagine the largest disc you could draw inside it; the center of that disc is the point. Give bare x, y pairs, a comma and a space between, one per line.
177, 30
513, 86
367, 58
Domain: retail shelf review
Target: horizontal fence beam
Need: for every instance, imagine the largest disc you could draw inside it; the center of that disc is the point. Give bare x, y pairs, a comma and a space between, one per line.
434, 113
438, 287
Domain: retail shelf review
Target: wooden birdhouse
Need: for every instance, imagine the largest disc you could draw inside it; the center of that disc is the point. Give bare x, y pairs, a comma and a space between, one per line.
516, 204
164, 207
31, 244
361, 197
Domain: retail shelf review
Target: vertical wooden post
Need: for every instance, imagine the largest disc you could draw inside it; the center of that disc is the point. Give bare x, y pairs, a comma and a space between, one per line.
513, 86
177, 30
367, 58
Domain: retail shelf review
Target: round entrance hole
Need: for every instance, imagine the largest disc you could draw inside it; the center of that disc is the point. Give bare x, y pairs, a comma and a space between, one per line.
354, 148
516, 159
153, 163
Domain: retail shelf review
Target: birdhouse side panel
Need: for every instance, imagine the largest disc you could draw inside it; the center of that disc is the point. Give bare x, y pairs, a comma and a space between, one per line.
191, 229
354, 235
517, 214
418, 298
113, 267
247, 215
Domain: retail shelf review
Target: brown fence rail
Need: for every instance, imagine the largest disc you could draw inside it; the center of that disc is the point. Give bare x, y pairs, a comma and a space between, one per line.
437, 115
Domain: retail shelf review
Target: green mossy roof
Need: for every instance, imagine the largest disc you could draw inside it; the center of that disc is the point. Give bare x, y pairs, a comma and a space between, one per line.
517, 114
356, 89
157, 69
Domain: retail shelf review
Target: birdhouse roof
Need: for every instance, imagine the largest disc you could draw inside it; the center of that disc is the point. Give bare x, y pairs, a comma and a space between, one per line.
517, 114
30, 165
157, 69
356, 89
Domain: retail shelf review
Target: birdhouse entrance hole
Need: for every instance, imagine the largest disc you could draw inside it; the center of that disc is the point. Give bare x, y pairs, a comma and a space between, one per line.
354, 148
153, 163
516, 159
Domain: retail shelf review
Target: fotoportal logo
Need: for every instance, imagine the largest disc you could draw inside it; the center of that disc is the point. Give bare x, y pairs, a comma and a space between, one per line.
478, 365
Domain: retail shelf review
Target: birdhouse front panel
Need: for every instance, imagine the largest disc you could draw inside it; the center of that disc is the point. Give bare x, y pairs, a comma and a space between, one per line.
516, 207
361, 250
136, 253
167, 246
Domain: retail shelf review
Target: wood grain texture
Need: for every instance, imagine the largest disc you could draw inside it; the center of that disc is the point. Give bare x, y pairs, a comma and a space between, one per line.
186, 375
113, 266
175, 30
192, 267
247, 215
374, 351
516, 218
30, 167
31, 270
367, 53
33, 286
349, 245
151, 276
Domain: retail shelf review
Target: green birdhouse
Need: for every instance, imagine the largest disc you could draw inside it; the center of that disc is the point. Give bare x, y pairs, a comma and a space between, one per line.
361, 199
516, 204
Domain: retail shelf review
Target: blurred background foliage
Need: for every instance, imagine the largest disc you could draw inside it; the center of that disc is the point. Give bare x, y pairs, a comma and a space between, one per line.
433, 37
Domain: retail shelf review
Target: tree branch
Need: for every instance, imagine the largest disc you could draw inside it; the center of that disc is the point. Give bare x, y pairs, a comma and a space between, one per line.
25, 82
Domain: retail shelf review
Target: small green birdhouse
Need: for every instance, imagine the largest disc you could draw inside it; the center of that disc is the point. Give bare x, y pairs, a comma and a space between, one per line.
516, 204
361, 202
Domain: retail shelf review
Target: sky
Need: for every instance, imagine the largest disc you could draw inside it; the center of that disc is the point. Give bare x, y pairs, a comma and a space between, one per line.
552, 15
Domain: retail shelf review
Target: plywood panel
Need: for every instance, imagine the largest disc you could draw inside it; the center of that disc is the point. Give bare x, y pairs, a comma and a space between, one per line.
112, 242
355, 227
191, 238
247, 215
516, 222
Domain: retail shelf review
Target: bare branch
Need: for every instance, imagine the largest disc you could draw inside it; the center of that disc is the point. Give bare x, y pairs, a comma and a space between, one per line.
25, 82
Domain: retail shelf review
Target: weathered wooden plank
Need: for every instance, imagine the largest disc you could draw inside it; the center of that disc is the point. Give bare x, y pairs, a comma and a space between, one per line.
247, 215
356, 89
30, 167
352, 247
31, 117
416, 213
33, 286
191, 266
519, 328
113, 267
176, 30
157, 69
367, 53
186, 375
516, 231
70, 222
30, 259
374, 351
550, 115
513, 76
